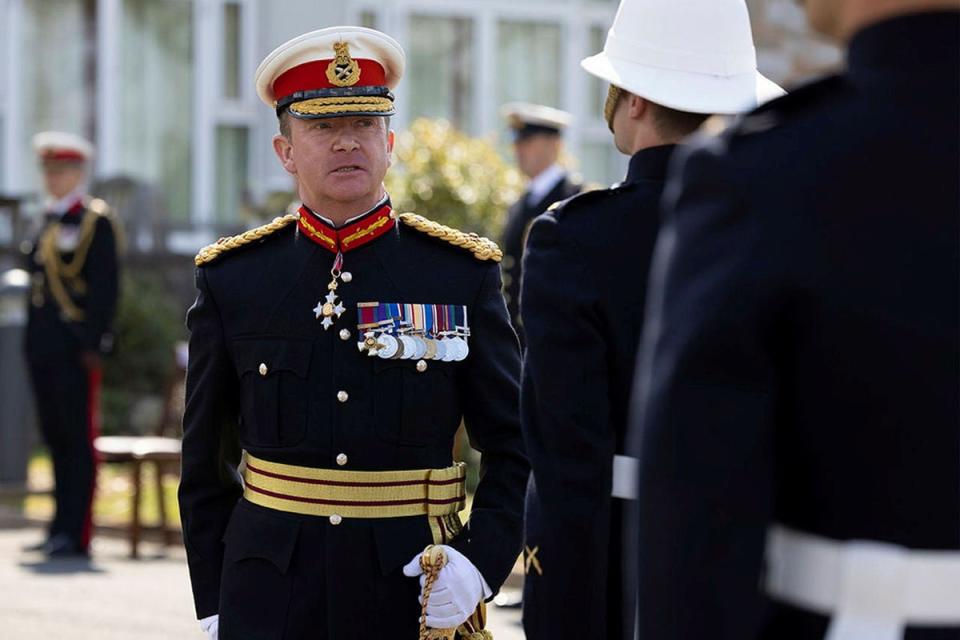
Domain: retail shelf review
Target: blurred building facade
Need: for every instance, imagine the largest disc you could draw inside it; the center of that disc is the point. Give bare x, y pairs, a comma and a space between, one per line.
164, 87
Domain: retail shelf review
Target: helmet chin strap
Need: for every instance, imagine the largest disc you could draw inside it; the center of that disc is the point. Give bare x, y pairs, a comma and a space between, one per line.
610, 106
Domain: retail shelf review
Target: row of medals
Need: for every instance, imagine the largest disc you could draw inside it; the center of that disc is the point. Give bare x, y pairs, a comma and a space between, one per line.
446, 348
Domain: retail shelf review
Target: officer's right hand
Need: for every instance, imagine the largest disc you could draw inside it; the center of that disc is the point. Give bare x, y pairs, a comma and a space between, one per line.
211, 626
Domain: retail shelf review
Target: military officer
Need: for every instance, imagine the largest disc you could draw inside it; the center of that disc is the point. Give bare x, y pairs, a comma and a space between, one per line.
73, 297
537, 144
583, 297
798, 386
339, 348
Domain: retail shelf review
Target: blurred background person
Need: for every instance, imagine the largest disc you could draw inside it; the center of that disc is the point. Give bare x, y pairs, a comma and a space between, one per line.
537, 145
800, 368
74, 287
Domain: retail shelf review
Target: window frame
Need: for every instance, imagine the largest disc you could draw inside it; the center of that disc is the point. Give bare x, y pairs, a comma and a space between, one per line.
575, 18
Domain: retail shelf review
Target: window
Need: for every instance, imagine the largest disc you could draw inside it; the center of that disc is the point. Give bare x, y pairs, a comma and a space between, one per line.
597, 95
232, 117
439, 62
232, 146
156, 124
53, 90
368, 19
232, 51
528, 62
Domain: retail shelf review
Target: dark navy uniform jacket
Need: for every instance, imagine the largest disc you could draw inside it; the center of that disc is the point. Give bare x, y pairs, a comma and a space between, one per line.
52, 337
268, 572
585, 273
800, 359
519, 218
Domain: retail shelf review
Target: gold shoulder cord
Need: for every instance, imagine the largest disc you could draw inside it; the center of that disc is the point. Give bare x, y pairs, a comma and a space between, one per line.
62, 275
210, 252
482, 248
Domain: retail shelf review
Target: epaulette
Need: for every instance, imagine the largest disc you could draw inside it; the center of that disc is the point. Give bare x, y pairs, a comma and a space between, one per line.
212, 251
482, 248
587, 195
103, 210
99, 207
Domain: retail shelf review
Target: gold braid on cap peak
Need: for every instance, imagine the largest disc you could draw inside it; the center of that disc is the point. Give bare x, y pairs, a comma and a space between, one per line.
212, 251
482, 248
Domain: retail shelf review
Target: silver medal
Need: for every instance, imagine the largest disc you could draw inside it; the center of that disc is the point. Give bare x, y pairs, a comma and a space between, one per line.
390, 347
450, 350
420, 348
460, 348
409, 347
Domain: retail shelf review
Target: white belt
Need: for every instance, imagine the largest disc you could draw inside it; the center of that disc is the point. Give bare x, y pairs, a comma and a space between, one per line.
624, 477
871, 589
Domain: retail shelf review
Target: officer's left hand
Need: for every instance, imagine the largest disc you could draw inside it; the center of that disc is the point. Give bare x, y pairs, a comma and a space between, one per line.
456, 593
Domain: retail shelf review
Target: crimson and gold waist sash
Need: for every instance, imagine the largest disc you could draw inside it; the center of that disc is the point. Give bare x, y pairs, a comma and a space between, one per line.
354, 494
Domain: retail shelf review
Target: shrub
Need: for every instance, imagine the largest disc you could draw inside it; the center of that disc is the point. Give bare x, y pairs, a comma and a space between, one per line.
452, 178
148, 324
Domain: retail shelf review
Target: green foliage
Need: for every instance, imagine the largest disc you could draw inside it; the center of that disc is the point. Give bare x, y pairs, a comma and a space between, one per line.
449, 177
148, 324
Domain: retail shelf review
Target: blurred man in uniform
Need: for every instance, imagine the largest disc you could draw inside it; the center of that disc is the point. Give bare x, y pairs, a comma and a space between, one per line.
583, 297
798, 387
340, 347
74, 270
537, 144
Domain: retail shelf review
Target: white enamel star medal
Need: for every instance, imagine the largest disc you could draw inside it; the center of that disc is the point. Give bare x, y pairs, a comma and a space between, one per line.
331, 306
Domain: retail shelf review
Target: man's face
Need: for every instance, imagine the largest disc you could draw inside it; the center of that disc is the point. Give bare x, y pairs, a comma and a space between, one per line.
337, 159
536, 152
60, 177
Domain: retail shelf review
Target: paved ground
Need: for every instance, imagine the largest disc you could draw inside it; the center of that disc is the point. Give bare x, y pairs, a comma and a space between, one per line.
112, 597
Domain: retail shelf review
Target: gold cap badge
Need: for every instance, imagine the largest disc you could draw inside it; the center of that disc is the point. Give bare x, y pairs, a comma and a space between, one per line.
343, 70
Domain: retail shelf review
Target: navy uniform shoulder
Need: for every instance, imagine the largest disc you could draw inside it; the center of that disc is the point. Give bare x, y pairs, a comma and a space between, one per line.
586, 198
466, 244
251, 238
802, 99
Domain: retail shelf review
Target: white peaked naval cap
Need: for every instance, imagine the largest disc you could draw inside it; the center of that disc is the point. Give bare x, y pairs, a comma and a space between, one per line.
337, 71
63, 146
690, 55
519, 114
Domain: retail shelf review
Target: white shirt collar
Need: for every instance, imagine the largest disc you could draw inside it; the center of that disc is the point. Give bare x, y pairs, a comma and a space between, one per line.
547, 179
354, 218
65, 203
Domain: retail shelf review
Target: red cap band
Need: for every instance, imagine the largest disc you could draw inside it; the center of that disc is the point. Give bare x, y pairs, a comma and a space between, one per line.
63, 155
313, 75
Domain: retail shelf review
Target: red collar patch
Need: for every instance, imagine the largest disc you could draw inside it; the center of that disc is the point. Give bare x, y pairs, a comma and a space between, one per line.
356, 234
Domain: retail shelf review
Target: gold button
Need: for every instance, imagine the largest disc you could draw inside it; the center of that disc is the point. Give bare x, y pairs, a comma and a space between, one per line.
344, 334
422, 366
346, 276
341, 459
263, 369
335, 519
343, 396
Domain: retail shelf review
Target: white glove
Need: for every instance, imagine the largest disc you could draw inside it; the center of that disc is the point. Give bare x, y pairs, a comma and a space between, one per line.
211, 626
458, 590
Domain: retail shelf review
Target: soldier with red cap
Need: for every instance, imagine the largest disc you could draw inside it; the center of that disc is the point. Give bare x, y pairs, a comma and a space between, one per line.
74, 271
337, 350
